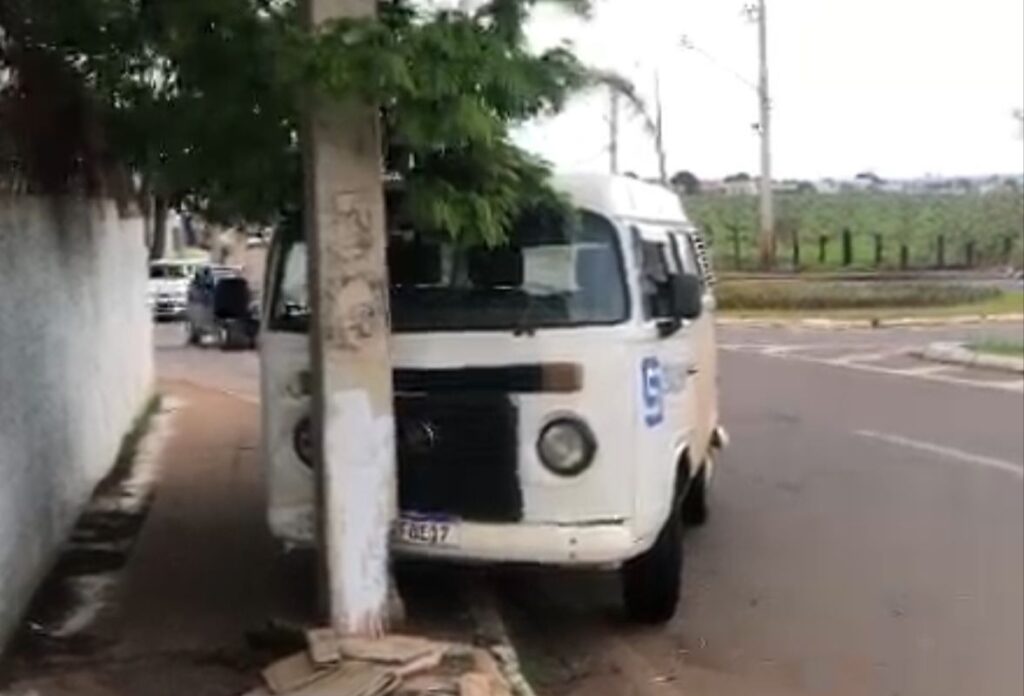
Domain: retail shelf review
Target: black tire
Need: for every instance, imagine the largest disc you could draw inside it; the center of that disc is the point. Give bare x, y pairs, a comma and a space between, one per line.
192, 336
226, 337
230, 336
696, 508
651, 582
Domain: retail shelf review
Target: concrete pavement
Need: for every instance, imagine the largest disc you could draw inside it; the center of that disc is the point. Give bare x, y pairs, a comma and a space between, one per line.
198, 577
236, 373
189, 608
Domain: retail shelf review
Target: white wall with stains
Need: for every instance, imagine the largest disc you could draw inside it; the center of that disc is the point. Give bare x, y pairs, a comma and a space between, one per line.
76, 367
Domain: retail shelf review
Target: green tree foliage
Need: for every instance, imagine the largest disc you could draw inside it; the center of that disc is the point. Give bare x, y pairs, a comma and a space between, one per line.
201, 98
687, 182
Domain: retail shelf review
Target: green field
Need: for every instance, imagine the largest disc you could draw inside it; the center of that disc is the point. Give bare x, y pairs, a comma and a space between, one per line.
992, 224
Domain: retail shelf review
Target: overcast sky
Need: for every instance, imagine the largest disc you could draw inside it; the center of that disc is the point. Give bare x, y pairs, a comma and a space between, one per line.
900, 87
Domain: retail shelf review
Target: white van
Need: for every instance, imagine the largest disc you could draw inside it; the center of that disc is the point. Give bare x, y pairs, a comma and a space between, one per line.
555, 400
167, 291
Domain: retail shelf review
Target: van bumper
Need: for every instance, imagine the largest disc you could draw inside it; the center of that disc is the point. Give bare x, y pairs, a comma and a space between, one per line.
607, 544
599, 544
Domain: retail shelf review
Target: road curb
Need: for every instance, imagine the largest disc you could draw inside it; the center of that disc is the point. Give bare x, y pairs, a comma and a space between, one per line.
958, 354
493, 632
875, 323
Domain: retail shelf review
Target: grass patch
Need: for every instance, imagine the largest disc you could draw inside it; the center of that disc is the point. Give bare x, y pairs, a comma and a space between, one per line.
1014, 349
997, 304
801, 295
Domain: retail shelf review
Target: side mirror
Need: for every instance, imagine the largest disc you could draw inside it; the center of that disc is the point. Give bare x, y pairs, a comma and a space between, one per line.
687, 296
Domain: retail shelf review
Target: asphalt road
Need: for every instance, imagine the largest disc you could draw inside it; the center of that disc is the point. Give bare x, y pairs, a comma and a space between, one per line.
866, 536
867, 533
236, 373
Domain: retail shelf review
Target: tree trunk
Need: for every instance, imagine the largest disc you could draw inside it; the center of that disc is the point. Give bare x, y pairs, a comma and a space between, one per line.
158, 244
189, 230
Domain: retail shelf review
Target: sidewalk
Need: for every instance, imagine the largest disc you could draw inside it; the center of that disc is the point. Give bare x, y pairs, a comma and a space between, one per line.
960, 354
188, 612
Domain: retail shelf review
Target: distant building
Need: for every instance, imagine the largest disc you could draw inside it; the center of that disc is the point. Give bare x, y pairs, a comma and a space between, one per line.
828, 186
791, 186
730, 187
740, 188
745, 185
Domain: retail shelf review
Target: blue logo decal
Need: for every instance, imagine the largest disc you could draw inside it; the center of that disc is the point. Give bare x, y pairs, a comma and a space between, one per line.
653, 392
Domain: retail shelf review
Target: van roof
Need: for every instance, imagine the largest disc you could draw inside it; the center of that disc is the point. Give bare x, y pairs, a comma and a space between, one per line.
622, 196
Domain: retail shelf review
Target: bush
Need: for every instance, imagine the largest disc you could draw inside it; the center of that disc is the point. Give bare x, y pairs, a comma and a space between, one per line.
802, 295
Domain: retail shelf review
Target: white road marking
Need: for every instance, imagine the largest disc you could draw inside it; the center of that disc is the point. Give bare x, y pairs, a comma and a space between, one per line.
779, 350
947, 452
868, 357
930, 377
927, 374
925, 371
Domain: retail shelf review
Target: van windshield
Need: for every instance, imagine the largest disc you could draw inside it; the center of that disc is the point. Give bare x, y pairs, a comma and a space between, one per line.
564, 276
168, 271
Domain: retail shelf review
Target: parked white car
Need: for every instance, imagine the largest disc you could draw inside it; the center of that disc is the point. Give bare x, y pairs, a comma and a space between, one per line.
556, 400
168, 287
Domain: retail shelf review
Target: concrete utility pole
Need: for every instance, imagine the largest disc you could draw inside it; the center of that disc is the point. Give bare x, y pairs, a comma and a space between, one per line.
767, 237
351, 366
613, 130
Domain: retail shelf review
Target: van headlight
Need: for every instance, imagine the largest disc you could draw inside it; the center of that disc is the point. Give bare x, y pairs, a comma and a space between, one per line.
566, 446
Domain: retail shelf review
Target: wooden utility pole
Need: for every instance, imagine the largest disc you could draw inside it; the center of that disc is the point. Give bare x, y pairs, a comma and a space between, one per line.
351, 366
767, 236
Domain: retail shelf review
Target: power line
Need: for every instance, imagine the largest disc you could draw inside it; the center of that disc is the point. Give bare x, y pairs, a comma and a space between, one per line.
687, 43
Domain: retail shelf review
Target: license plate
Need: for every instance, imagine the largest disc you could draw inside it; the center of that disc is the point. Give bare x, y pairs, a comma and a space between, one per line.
424, 531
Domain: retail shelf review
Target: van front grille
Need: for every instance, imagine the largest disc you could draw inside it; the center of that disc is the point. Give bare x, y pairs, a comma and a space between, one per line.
457, 455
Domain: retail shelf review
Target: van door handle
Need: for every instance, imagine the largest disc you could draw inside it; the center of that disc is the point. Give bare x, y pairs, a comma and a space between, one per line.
692, 370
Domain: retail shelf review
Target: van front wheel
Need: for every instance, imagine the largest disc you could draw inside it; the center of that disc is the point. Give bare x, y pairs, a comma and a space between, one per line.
651, 581
696, 504
192, 336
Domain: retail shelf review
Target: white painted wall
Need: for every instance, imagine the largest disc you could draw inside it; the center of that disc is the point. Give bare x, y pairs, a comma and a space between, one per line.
76, 367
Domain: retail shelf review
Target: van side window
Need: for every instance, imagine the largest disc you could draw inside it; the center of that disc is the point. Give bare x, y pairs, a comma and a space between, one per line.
689, 257
657, 265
